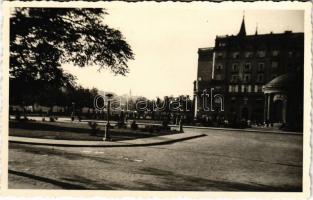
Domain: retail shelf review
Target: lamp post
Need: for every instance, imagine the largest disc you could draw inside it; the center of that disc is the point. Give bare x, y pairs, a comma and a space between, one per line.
107, 126
181, 119
73, 112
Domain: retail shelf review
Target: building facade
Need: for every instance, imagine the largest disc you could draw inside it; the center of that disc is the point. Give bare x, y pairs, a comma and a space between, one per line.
233, 75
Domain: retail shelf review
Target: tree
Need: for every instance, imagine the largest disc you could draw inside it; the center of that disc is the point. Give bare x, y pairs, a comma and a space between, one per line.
41, 39
74, 35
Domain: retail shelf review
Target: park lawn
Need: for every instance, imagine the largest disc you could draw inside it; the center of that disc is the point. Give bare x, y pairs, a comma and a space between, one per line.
72, 131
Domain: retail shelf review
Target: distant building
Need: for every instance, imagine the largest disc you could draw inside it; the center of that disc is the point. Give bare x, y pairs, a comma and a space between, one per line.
252, 72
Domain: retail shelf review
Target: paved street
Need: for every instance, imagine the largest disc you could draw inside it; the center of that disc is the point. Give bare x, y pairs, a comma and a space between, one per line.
222, 160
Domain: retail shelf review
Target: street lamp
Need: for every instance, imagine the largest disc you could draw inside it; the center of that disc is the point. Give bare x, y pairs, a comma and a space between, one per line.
73, 112
180, 123
107, 126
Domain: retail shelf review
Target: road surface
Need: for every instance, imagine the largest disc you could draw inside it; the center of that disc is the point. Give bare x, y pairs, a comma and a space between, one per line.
220, 161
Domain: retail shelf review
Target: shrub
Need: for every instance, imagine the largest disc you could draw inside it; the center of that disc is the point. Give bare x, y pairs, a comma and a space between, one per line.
165, 125
149, 128
94, 127
121, 124
17, 117
157, 128
134, 125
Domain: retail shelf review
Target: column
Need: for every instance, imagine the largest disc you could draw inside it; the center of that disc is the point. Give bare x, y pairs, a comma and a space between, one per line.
284, 111
196, 106
265, 108
269, 105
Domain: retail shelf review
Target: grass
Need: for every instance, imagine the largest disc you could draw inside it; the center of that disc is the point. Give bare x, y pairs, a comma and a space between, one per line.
73, 131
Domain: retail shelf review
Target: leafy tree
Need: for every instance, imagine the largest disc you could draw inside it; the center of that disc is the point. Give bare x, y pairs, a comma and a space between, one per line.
84, 97
41, 39
73, 35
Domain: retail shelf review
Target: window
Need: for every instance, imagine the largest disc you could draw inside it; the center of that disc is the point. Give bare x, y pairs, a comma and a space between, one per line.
218, 88
236, 55
235, 67
247, 66
248, 54
274, 64
234, 78
218, 77
258, 88
236, 88
245, 88
261, 66
255, 88
260, 78
233, 88
219, 67
249, 88
261, 54
247, 77
230, 88
275, 53
222, 44
217, 100
220, 55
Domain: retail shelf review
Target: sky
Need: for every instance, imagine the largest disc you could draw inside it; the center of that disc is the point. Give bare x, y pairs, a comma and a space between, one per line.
165, 39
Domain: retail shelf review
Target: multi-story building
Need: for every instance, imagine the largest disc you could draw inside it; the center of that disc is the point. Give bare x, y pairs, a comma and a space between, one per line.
239, 67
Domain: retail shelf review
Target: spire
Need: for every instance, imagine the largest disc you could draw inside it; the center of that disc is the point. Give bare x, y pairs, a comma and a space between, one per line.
242, 31
256, 29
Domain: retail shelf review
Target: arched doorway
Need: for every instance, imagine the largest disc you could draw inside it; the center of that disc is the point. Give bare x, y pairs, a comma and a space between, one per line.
277, 111
279, 108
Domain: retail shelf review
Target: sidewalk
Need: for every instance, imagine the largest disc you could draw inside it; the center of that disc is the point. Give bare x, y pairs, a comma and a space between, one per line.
159, 140
254, 130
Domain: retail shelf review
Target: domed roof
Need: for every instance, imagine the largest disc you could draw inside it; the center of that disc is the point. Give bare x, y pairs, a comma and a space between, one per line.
283, 82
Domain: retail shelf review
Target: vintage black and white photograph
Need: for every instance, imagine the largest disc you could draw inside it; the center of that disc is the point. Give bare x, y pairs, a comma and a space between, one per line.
157, 97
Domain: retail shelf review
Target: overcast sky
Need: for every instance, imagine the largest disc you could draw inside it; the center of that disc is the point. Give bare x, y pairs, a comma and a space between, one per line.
165, 39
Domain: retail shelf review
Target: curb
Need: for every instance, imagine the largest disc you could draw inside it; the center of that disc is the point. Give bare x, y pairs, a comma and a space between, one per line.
120, 144
244, 130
